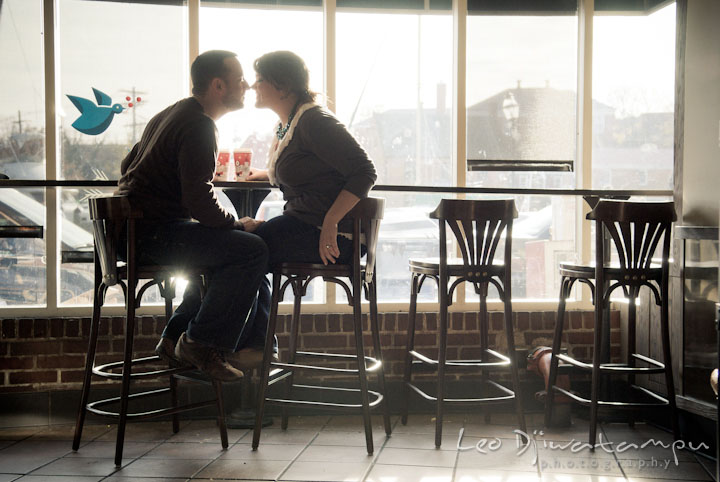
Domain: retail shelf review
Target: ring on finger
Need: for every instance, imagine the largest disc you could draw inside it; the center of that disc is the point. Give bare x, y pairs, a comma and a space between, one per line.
328, 246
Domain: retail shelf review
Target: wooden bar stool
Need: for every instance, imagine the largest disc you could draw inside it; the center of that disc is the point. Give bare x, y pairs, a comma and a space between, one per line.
636, 230
479, 228
366, 216
114, 218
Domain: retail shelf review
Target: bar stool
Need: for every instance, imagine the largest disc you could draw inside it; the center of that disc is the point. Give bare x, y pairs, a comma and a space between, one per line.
636, 229
478, 227
366, 216
113, 217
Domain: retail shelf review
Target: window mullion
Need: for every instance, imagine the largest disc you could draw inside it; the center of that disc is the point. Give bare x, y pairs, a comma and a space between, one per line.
51, 153
330, 86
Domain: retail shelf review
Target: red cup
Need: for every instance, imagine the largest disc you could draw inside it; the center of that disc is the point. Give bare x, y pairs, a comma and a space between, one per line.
221, 166
242, 158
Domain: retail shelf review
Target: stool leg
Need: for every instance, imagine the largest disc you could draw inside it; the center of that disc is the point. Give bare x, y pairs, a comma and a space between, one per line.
167, 292
510, 334
667, 357
127, 367
442, 354
217, 385
565, 287
595, 381
483, 324
297, 285
360, 352
89, 362
375, 329
267, 357
632, 339
407, 376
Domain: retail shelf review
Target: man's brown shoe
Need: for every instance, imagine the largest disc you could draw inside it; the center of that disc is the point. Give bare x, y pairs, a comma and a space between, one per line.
165, 349
207, 359
247, 358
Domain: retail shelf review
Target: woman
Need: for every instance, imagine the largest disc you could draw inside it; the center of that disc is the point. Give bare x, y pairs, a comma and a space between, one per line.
320, 168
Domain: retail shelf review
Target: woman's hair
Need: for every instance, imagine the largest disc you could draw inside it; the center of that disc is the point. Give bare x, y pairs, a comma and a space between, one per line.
286, 71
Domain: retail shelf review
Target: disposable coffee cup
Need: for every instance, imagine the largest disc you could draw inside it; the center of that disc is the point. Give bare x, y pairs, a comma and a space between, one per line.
242, 158
221, 166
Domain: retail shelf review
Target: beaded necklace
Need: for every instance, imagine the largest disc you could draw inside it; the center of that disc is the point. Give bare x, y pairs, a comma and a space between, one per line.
281, 131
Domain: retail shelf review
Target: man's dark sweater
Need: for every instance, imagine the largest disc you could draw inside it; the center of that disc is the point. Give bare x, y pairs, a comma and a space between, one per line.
168, 174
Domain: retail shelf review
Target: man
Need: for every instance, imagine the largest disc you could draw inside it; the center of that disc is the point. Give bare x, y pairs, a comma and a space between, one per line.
168, 174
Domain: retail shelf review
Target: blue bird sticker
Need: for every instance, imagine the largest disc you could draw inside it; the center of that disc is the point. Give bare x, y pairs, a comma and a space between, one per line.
95, 117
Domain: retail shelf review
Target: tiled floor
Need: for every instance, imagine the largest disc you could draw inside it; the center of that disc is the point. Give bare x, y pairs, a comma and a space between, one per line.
325, 448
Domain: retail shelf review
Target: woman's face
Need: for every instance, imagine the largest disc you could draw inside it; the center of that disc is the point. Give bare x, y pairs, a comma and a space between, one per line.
266, 95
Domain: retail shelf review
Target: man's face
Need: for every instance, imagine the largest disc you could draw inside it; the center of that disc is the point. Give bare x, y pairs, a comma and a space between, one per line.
235, 85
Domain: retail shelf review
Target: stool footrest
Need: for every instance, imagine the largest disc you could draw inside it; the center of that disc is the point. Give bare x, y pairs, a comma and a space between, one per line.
104, 370
374, 364
94, 406
661, 401
508, 395
618, 368
503, 361
378, 398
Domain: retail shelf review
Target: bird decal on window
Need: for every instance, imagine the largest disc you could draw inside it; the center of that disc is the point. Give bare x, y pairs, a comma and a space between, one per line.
95, 117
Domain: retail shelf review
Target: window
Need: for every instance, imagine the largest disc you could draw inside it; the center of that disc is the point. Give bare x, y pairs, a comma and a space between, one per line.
633, 119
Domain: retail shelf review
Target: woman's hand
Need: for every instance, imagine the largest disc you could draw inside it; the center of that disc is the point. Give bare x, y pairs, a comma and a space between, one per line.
329, 251
257, 175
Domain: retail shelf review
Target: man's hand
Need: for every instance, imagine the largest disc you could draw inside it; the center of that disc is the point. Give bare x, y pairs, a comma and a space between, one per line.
248, 224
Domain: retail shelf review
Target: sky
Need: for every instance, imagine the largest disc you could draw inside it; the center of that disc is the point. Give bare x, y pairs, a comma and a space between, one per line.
384, 61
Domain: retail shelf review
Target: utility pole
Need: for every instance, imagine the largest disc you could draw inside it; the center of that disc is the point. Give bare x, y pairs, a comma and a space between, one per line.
19, 121
134, 93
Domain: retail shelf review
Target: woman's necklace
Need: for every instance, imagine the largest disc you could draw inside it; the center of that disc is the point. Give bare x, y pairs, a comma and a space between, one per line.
281, 131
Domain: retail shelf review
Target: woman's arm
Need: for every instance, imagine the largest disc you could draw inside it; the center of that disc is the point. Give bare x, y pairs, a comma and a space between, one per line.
257, 174
329, 251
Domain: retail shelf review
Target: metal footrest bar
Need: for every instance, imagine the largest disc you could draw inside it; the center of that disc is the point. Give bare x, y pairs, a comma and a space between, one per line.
332, 405
371, 364
616, 368
503, 360
93, 406
661, 401
104, 370
509, 395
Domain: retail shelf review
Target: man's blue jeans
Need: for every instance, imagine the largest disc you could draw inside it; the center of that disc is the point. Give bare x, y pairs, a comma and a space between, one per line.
237, 262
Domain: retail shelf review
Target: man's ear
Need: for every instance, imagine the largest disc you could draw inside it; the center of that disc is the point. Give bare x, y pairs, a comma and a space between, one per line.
218, 84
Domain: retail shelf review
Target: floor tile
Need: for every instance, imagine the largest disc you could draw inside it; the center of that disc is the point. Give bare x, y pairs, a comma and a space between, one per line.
8, 477
78, 466
421, 441
496, 454
580, 465
482, 475
474, 429
18, 433
403, 473
327, 471
205, 431
165, 467
143, 432
59, 478
580, 478
289, 436
106, 450
664, 468
67, 432
418, 423
115, 478
322, 453
350, 423
6, 443
245, 469
349, 439
309, 422
172, 450
423, 458
26, 456
285, 452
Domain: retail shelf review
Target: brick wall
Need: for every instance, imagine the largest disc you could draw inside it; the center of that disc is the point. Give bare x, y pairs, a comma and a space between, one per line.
49, 353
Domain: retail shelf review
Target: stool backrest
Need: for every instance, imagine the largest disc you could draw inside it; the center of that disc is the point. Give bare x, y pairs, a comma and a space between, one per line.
366, 217
478, 226
636, 229
110, 216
